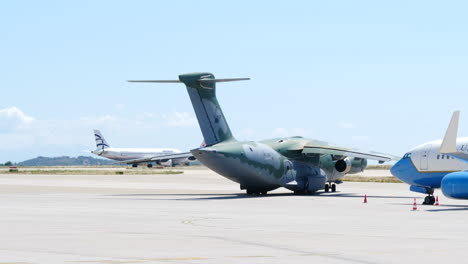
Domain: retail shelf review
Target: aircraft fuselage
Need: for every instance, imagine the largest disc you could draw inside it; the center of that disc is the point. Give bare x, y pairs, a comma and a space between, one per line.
120, 154
269, 164
425, 166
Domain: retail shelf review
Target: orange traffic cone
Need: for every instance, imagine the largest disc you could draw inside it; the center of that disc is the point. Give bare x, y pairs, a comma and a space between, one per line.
437, 201
415, 207
365, 198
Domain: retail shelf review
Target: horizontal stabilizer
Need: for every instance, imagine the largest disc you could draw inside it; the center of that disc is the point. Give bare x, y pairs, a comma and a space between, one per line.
200, 80
201, 88
156, 81
224, 80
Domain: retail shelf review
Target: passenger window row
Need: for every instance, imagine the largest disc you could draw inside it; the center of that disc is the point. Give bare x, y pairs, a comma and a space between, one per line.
444, 156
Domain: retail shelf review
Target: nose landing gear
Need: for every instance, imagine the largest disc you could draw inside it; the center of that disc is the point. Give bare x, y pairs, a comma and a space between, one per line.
429, 199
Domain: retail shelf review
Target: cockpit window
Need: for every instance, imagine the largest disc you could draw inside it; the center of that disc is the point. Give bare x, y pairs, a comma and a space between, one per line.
407, 155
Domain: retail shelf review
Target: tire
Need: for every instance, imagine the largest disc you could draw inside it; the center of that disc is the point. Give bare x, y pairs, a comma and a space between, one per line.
427, 200
327, 188
134, 165
333, 188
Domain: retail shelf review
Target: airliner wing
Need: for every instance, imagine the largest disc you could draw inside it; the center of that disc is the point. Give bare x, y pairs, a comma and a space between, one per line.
449, 144
161, 158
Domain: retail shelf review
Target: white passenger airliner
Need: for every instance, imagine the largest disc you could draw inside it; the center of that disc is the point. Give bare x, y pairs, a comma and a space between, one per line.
103, 149
437, 164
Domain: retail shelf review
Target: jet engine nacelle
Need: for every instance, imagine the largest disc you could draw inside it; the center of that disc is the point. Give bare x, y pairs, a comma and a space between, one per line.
358, 165
343, 165
336, 167
455, 185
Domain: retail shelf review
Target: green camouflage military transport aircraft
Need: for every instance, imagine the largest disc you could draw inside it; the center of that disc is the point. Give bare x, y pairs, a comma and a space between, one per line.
296, 163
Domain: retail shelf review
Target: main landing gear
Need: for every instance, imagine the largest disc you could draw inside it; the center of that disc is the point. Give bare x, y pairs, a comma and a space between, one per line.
330, 187
255, 192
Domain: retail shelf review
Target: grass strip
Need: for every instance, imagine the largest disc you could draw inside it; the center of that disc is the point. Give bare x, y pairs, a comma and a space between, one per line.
91, 172
378, 167
388, 179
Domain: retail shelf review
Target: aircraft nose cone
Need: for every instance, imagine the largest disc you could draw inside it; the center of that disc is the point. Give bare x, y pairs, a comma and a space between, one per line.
395, 170
401, 171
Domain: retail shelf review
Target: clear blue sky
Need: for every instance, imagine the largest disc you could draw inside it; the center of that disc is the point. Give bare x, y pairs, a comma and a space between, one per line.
380, 75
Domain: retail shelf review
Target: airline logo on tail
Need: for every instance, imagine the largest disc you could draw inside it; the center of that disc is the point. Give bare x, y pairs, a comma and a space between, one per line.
100, 141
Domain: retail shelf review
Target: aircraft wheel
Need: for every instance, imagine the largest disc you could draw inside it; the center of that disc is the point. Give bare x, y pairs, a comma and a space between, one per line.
333, 188
426, 200
134, 165
327, 187
264, 193
429, 200
149, 165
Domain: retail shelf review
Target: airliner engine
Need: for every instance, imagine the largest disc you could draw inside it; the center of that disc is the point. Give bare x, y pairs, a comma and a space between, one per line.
455, 185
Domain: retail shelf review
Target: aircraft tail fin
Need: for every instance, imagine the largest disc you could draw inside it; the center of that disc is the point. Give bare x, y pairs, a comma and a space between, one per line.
449, 144
201, 88
101, 142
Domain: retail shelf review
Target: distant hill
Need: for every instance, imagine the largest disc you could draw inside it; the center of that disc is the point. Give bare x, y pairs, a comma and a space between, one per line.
65, 161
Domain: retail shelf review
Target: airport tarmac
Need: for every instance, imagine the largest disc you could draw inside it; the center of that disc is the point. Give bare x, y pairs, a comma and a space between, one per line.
200, 217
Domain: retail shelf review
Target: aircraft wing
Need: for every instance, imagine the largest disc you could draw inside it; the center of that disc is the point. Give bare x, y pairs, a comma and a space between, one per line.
321, 148
161, 158
449, 144
342, 152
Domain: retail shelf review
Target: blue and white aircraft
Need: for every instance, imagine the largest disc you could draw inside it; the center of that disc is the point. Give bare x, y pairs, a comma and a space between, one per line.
437, 164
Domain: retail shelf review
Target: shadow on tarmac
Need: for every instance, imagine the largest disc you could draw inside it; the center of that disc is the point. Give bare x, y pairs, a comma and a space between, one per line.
245, 196
438, 208
206, 196
453, 207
